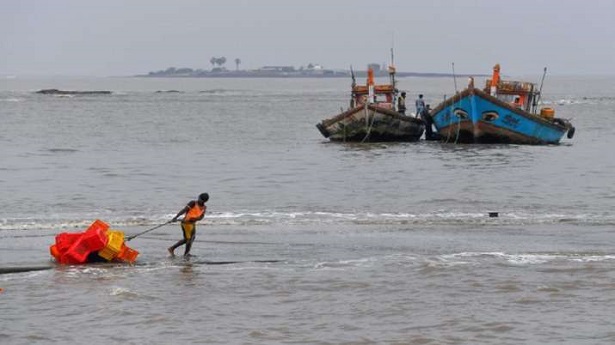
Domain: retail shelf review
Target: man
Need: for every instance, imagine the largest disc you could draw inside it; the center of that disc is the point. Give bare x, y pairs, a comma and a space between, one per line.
401, 103
420, 105
194, 211
426, 117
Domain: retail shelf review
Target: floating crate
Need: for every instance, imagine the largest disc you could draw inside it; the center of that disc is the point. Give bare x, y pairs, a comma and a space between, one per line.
92, 240
127, 254
114, 245
66, 239
55, 252
98, 225
76, 254
95, 239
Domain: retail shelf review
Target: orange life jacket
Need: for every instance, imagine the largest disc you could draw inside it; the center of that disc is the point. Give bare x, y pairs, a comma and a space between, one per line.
195, 212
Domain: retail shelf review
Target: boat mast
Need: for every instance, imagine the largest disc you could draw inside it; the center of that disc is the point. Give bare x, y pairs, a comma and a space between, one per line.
353, 100
537, 98
454, 77
392, 69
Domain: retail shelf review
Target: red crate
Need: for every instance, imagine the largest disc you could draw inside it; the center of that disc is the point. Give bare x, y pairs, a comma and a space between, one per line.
66, 239
76, 254
98, 225
95, 239
90, 241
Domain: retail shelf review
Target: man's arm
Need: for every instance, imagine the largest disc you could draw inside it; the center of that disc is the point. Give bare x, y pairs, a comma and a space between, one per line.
182, 211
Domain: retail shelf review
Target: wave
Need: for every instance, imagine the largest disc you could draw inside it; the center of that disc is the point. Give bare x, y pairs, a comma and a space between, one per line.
529, 258
319, 218
436, 218
219, 91
580, 101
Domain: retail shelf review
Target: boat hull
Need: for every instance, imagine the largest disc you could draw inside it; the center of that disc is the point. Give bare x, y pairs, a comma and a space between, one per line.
473, 116
370, 123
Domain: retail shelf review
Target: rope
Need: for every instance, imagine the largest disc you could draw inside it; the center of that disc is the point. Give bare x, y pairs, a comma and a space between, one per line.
369, 128
458, 130
450, 122
148, 230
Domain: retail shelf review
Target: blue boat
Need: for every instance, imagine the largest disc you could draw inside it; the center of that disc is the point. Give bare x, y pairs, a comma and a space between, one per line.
504, 112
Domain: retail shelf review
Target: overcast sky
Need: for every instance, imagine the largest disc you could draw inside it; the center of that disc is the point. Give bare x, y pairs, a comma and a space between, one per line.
127, 37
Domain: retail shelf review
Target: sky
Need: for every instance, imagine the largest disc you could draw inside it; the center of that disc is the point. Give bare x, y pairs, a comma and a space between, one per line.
128, 37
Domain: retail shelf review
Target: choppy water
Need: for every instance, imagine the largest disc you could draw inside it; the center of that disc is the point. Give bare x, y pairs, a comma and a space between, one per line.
375, 243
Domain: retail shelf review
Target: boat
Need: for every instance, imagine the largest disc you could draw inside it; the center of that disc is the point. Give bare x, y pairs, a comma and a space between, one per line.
372, 115
503, 112
97, 243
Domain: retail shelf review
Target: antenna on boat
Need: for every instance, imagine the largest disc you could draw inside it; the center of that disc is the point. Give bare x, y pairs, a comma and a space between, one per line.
392, 68
537, 99
454, 77
354, 81
392, 47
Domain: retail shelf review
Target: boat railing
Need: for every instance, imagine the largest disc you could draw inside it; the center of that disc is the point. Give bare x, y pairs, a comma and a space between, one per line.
378, 89
509, 86
519, 94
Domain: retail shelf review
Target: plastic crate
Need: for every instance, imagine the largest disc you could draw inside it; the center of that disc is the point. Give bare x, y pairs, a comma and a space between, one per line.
127, 254
91, 241
98, 225
66, 239
76, 254
95, 239
53, 250
114, 245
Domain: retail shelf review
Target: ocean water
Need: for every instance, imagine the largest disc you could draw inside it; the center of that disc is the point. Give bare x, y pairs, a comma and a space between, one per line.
305, 241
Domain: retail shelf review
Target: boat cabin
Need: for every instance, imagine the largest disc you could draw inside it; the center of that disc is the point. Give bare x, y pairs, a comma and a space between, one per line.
381, 95
518, 94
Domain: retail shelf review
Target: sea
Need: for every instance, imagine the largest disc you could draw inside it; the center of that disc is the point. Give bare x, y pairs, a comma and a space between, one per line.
305, 241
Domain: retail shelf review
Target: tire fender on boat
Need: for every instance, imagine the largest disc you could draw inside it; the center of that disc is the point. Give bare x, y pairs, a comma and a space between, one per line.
570, 132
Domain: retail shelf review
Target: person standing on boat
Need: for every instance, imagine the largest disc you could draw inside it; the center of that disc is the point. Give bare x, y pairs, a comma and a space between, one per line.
194, 211
420, 105
401, 103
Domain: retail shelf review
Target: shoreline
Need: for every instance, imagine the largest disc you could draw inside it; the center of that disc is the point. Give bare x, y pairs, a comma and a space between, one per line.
260, 75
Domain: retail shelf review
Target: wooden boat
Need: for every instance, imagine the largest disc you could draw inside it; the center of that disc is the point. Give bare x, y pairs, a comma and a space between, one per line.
504, 112
372, 116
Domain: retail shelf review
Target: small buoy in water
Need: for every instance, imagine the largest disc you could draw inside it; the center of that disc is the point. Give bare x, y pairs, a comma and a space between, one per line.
1, 289
493, 214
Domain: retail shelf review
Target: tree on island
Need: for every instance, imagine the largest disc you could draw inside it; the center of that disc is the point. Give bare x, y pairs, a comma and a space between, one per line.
237, 62
217, 61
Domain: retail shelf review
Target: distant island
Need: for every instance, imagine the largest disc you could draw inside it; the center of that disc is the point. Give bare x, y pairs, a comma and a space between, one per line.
309, 71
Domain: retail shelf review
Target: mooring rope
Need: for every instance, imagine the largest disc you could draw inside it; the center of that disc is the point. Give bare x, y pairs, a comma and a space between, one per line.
369, 128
